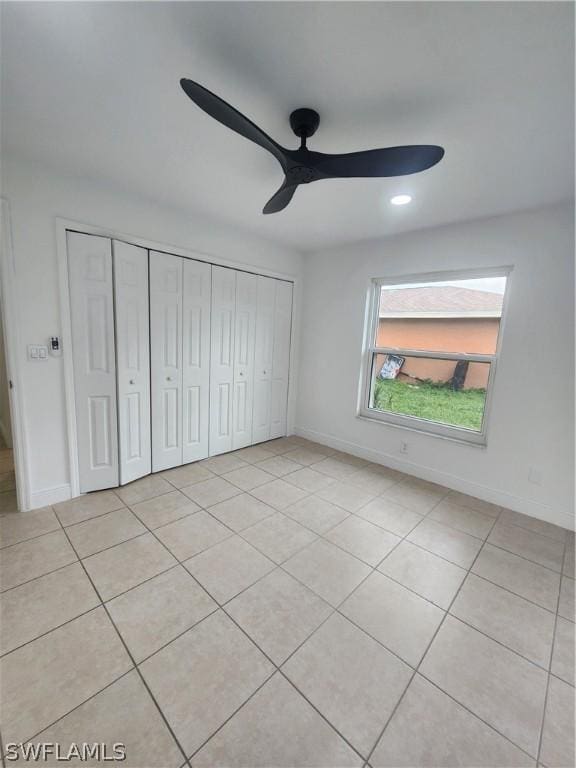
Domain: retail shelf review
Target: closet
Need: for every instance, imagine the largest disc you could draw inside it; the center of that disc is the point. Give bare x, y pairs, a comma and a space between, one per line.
174, 359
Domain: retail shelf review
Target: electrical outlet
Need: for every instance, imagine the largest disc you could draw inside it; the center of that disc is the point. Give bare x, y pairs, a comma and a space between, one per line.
403, 447
535, 476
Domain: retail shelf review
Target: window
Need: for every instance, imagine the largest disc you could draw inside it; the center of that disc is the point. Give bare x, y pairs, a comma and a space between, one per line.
431, 351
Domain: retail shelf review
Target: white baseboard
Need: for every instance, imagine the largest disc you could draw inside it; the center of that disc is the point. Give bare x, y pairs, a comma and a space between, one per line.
501, 498
50, 496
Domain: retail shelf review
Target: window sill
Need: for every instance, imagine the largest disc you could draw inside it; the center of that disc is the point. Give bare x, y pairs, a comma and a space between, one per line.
478, 441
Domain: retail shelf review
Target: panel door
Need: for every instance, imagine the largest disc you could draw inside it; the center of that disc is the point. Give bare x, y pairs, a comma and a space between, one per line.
94, 359
281, 359
244, 338
166, 273
263, 358
132, 360
222, 359
196, 360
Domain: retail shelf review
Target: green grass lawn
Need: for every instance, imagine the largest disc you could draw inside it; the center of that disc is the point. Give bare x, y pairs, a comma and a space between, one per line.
427, 400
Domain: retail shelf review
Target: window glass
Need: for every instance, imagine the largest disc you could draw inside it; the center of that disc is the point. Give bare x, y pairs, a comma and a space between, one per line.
460, 316
444, 391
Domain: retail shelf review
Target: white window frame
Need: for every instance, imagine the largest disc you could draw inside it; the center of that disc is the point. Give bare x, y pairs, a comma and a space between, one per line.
369, 350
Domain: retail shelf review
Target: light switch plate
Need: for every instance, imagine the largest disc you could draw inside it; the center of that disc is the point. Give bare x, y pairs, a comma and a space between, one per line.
38, 353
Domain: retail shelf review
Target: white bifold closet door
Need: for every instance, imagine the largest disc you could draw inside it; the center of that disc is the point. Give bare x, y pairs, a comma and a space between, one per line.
272, 358
234, 297
244, 337
180, 359
166, 273
94, 359
281, 359
222, 359
174, 359
196, 360
132, 360
263, 358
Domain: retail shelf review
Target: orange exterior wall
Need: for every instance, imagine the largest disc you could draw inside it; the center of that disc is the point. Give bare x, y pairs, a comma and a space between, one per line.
478, 335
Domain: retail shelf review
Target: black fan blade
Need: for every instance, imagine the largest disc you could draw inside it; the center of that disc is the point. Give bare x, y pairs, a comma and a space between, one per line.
280, 199
392, 161
231, 118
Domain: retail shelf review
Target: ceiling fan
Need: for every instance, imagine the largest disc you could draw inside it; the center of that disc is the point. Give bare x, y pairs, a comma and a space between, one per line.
301, 166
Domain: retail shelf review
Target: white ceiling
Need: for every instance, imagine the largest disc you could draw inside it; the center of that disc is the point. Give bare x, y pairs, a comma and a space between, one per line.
94, 88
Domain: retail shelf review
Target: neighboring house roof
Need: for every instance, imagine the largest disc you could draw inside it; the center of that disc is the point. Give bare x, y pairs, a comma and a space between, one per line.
439, 302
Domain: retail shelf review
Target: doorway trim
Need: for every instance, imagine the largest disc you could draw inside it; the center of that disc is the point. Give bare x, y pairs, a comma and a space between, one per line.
11, 347
62, 227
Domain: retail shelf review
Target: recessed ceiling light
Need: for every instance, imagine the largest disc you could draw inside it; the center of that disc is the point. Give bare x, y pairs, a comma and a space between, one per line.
401, 199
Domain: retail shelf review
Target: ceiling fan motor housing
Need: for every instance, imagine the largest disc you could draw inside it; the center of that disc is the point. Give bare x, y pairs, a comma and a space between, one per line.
304, 122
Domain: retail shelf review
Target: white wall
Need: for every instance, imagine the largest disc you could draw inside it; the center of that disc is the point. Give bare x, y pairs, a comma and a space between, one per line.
37, 195
532, 418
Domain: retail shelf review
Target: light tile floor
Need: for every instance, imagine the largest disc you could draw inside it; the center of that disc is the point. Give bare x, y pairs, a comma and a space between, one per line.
288, 605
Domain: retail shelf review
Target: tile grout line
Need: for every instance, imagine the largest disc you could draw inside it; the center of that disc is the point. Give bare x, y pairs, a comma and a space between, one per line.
512, 525
125, 505
372, 568
81, 704
547, 691
92, 517
426, 515
510, 592
461, 620
310, 494
375, 570
467, 574
526, 559
106, 549
278, 667
40, 576
234, 713
99, 604
130, 656
333, 611
252, 640
475, 715
294, 652
499, 642
4, 547
417, 668
247, 541
279, 566
337, 610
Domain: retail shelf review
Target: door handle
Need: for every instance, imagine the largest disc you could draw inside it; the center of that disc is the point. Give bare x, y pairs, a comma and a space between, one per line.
241, 373
168, 378
132, 381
